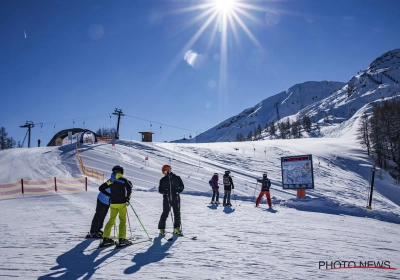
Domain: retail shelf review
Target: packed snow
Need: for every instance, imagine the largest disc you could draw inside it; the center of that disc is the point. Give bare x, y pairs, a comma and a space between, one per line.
299, 238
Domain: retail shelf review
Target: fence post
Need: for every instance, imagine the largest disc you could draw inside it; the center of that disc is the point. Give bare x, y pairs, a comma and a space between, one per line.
22, 185
86, 183
55, 183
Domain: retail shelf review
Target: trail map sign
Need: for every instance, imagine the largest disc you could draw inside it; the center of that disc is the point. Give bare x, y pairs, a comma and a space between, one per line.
297, 172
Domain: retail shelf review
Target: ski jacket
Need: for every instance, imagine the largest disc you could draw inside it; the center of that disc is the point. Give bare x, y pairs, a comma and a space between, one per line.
214, 181
120, 189
105, 199
171, 184
265, 184
227, 186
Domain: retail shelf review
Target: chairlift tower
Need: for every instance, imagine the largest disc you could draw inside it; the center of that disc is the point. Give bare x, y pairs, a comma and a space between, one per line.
119, 113
29, 125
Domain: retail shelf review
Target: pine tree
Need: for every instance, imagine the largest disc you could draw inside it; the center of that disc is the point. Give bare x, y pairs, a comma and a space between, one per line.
363, 133
3, 138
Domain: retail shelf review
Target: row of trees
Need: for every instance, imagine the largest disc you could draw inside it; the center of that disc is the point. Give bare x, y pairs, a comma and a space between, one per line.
6, 142
106, 132
380, 134
286, 129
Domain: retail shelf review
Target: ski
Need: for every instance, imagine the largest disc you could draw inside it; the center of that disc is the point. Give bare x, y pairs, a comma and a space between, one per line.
98, 247
185, 236
84, 236
164, 237
116, 247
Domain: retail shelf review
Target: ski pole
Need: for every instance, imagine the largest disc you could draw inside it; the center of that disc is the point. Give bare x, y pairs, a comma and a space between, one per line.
234, 197
169, 201
179, 208
170, 212
150, 239
129, 223
254, 192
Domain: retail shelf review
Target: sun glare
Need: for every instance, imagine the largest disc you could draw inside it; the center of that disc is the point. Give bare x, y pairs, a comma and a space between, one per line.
221, 19
224, 5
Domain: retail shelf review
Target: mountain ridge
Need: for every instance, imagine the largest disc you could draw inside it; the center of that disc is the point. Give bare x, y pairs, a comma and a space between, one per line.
327, 103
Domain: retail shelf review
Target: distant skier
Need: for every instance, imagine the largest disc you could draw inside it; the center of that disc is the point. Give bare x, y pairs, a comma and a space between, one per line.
102, 206
214, 185
120, 193
170, 187
265, 185
228, 186
38, 142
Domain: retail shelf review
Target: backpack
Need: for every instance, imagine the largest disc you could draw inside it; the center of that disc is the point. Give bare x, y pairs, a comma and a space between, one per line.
211, 182
226, 180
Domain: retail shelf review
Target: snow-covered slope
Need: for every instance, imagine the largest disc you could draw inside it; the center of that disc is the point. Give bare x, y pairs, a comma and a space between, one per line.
330, 224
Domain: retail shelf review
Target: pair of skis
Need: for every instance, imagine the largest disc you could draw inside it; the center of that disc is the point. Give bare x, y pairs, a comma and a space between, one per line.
179, 235
114, 246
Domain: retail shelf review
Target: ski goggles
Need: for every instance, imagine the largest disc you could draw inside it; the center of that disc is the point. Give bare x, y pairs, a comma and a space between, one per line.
166, 171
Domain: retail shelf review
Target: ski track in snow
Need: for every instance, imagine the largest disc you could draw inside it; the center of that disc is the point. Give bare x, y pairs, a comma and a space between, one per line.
330, 224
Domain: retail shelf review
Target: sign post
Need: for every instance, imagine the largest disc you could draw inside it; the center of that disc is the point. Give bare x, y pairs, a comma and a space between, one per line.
297, 174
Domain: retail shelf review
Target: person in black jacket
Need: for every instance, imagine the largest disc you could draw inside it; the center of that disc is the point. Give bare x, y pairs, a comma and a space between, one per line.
120, 193
265, 185
228, 187
215, 187
170, 187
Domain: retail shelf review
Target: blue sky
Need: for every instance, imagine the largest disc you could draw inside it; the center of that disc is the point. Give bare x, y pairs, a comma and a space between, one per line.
66, 61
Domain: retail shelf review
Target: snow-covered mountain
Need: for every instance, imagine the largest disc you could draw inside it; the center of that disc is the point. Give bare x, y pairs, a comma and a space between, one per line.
331, 106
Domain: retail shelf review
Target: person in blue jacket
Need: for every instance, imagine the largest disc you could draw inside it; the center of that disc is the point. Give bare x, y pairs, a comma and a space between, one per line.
103, 204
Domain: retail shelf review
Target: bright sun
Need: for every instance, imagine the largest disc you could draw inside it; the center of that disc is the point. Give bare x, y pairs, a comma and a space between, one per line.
224, 5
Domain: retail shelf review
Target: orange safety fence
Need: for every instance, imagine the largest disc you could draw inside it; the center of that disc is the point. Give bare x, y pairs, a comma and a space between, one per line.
104, 139
43, 186
99, 176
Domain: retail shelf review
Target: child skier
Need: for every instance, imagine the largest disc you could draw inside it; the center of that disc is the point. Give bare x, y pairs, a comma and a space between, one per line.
228, 186
103, 204
265, 185
214, 185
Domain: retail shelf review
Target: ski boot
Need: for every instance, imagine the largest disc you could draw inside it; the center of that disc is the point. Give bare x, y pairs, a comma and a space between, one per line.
94, 235
123, 242
178, 231
107, 242
162, 232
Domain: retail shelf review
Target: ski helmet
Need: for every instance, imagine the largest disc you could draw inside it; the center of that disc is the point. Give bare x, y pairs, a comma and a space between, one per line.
165, 169
227, 172
265, 175
118, 169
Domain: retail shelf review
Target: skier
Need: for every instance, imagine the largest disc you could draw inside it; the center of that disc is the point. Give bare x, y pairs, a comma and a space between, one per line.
120, 193
38, 142
265, 185
228, 186
170, 187
103, 204
214, 185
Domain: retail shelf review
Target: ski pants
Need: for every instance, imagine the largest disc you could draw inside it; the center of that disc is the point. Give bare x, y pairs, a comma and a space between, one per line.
99, 216
116, 210
176, 207
227, 197
215, 196
267, 195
